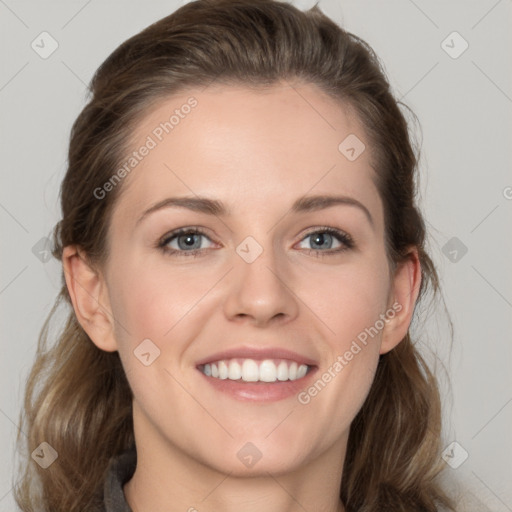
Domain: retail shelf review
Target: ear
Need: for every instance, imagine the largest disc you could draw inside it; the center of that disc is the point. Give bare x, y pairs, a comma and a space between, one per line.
88, 292
404, 293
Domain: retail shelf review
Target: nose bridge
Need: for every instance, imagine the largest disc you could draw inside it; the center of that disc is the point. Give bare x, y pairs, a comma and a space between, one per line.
258, 285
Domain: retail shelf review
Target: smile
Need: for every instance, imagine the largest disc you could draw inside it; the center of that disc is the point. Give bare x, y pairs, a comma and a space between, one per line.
251, 370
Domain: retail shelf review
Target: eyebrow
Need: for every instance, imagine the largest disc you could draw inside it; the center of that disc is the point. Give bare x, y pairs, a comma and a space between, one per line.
217, 208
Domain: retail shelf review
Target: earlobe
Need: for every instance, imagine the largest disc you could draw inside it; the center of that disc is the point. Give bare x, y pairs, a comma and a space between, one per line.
87, 290
405, 290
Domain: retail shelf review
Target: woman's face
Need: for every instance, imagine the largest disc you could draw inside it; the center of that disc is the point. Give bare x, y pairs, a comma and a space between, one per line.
263, 280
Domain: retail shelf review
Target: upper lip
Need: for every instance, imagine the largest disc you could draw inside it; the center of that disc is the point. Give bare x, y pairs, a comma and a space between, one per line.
257, 353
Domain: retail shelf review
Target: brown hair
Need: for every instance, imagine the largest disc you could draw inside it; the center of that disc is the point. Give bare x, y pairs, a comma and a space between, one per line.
78, 398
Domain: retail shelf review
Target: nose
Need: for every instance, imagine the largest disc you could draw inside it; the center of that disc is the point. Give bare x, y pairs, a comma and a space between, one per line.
259, 292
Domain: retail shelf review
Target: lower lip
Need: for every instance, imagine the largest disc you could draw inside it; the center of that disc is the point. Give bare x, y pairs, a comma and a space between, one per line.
260, 391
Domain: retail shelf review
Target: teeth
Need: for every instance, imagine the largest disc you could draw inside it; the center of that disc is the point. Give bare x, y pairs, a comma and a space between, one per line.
301, 371
223, 370
268, 371
292, 371
250, 370
235, 371
282, 371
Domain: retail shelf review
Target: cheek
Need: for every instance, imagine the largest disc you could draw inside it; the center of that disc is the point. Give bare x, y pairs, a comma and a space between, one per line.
353, 316
351, 305
149, 300
347, 301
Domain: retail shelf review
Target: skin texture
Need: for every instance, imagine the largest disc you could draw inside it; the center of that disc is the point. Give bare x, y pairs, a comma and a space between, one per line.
257, 152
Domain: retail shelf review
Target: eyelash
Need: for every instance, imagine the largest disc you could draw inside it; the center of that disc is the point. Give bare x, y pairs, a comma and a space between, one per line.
345, 239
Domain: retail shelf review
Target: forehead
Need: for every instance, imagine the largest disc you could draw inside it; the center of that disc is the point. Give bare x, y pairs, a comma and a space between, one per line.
251, 148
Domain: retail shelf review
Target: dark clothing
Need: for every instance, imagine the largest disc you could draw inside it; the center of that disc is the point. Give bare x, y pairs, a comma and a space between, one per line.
120, 470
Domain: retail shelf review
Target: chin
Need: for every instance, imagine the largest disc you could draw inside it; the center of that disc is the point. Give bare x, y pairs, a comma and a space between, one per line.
255, 458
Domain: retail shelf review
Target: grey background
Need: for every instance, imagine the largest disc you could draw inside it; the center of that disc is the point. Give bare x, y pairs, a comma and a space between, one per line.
464, 105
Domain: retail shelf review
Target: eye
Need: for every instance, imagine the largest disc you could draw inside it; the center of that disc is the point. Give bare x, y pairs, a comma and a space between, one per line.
322, 241
184, 241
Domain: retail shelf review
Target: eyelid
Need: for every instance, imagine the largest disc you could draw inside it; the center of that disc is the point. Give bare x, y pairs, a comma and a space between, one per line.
327, 229
182, 231
171, 235
345, 239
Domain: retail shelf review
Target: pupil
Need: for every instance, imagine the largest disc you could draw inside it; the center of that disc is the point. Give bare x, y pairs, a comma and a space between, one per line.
320, 238
188, 240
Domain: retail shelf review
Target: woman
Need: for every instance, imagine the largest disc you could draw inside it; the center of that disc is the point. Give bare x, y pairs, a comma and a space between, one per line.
243, 254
